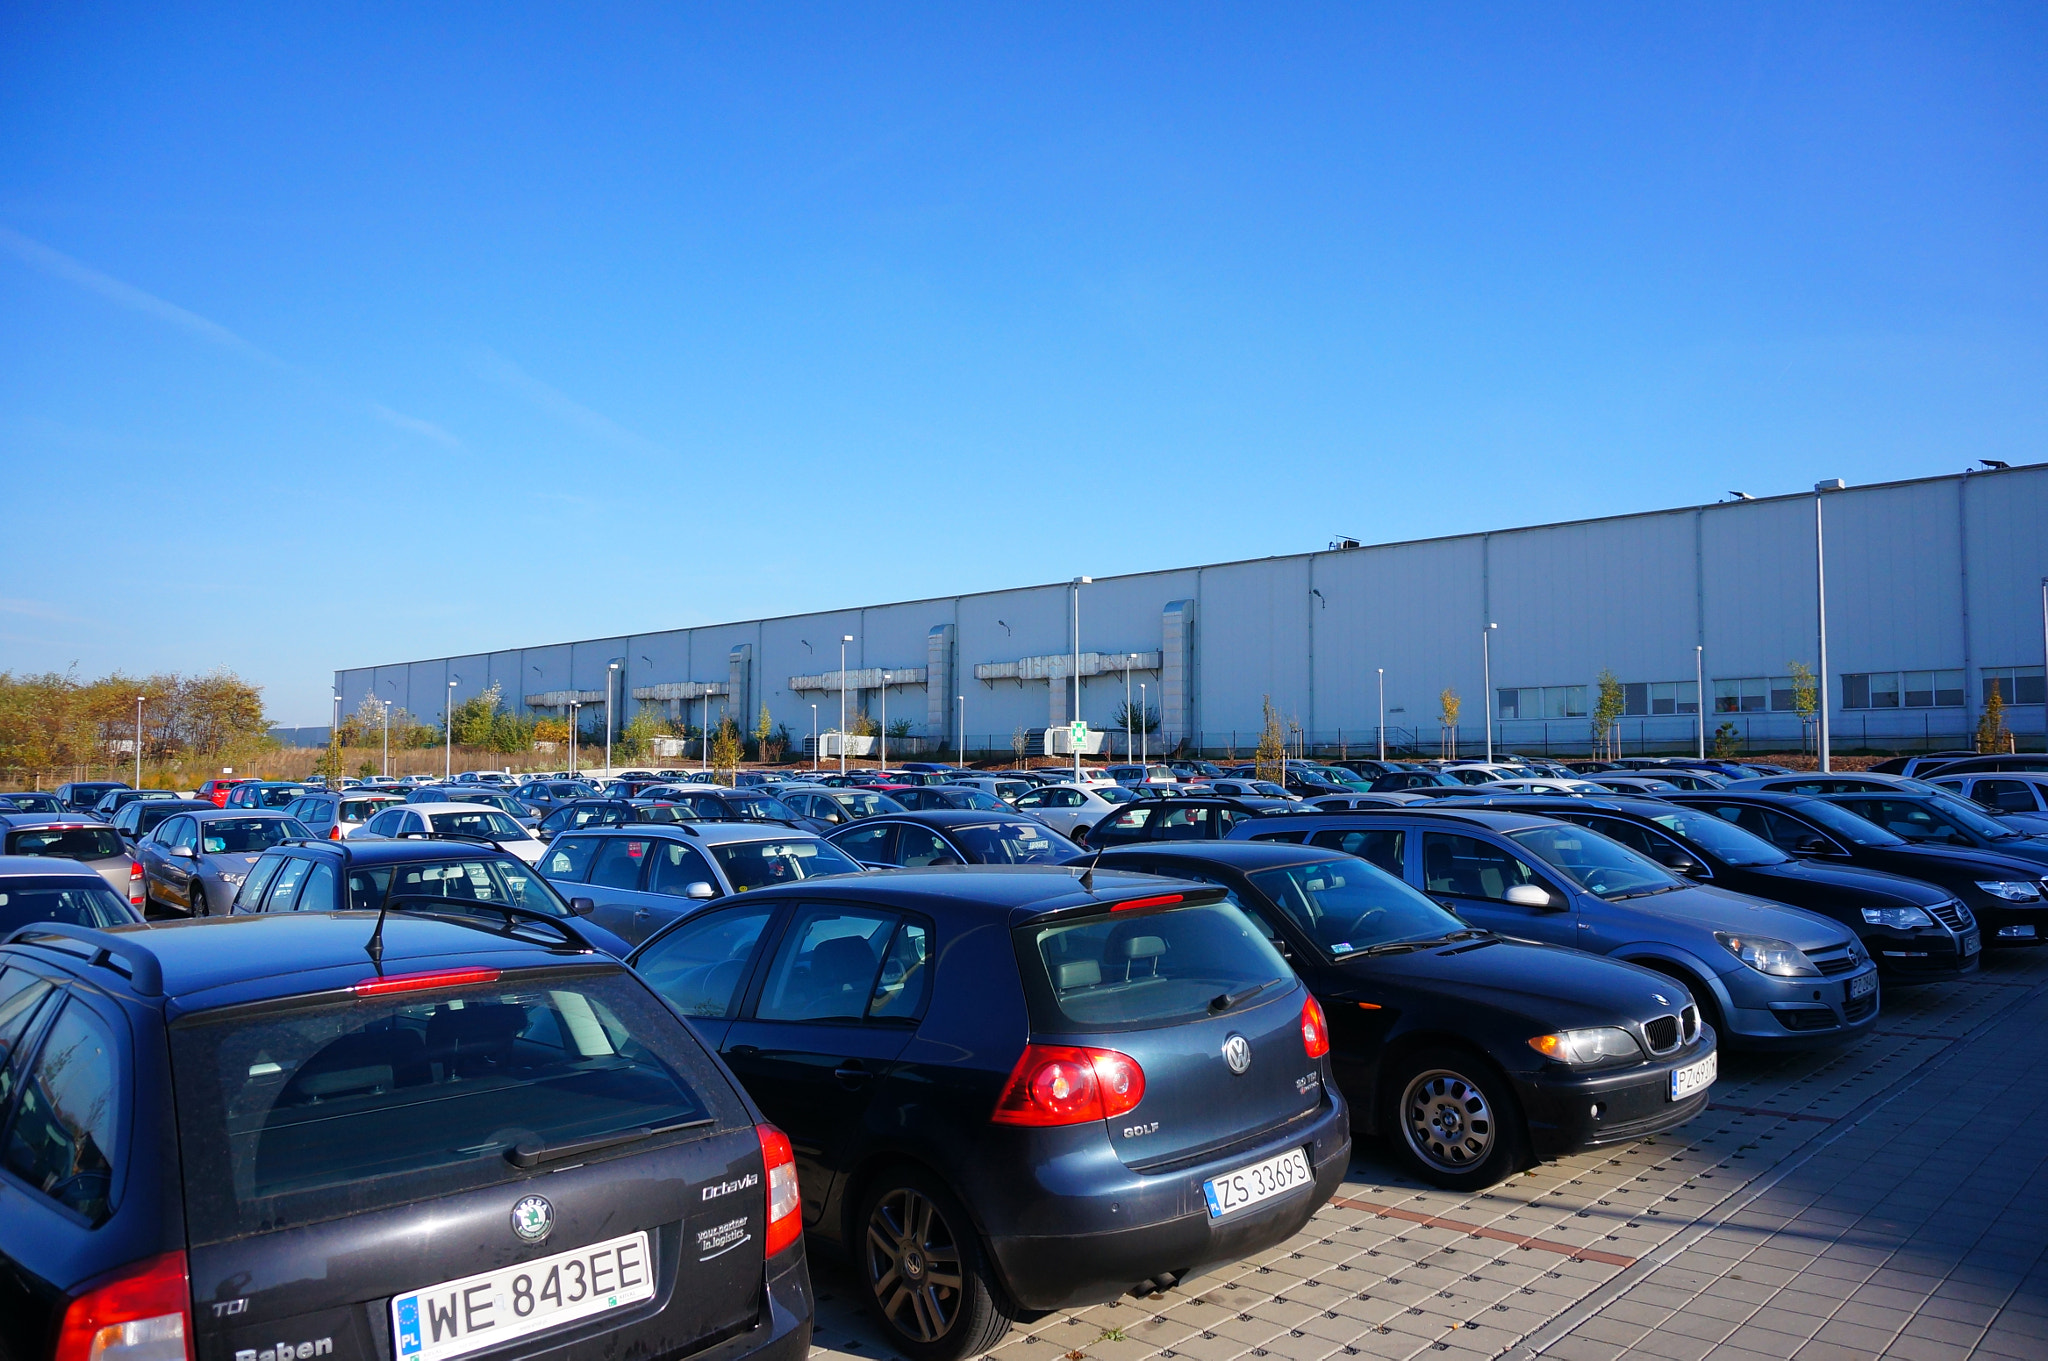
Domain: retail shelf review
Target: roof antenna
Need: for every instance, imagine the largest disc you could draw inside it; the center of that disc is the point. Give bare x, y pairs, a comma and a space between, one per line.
1088, 875
375, 949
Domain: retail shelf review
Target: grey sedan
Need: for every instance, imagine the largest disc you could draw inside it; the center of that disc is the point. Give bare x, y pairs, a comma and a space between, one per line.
195, 863
68, 836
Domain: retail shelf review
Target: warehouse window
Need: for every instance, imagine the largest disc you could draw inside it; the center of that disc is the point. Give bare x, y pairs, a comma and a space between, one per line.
1905, 689
2016, 684
1541, 701
1741, 695
1660, 697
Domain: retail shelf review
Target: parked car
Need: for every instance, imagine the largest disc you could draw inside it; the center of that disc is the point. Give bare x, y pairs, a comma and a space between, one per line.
944, 796
1470, 1053
469, 821
1072, 809
953, 837
585, 813
1179, 819
1191, 772
1915, 931
483, 793
1235, 788
1756, 969
1064, 1090
80, 795
1129, 775
1950, 820
36, 889
2022, 792
1001, 787
1337, 803
140, 818
717, 803
337, 815
216, 791
1978, 765
70, 836
835, 807
194, 863
1832, 782
2004, 893
114, 800
542, 797
1545, 785
29, 801
641, 878
1919, 764
264, 794
359, 1141
1634, 784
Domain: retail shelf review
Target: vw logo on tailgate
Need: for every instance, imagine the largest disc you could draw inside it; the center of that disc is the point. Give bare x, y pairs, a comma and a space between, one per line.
1237, 1052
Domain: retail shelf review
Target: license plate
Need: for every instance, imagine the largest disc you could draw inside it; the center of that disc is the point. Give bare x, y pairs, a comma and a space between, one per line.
1247, 1186
491, 1308
1695, 1077
1862, 985
1972, 942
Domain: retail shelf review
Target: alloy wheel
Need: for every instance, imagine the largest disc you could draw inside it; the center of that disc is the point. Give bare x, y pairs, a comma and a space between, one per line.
1447, 1120
913, 1263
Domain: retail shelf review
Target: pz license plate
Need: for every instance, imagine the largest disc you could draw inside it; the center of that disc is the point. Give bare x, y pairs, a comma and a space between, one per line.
1247, 1186
492, 1308
1862, 985
1695, 1077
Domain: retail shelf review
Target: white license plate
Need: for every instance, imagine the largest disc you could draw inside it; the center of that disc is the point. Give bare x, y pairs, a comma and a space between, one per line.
456, 1318
1695, 1077
1861, 985
1247, 1186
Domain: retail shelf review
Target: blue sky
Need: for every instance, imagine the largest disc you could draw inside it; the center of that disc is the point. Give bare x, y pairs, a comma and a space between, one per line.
338, 337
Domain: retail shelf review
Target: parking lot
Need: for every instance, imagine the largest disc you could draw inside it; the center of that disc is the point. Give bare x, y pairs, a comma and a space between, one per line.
1881, 1199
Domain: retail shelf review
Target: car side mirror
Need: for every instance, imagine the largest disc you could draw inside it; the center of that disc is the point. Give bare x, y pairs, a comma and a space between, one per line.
1813, 845
1528, 895
700, 889
183, 852
1678, 862
582, 907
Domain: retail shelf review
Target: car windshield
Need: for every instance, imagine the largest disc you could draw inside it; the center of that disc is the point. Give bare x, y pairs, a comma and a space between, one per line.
1847, 825
280, 796
311, 1113
1150, 968
866, 805
31, 803
362, 810
23, 902
69, 843
1347, 905
760, 864
760, 807
504, 803
1719, 838
1115, 794
1014, 843
484, 822
492, 878
1596, 864
246, 836
1970, 817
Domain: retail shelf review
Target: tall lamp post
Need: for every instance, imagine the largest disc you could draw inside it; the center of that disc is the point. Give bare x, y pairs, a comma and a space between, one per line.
962, 701
1486, 667
387, 737
610, 674
1820, 596
2044, 665
814, 737
1144, 733
333, 734
138, 741
1129, 657
448, 733
1383, 715
1075, 717
883, 746
1699, 695
844, 639
574, 705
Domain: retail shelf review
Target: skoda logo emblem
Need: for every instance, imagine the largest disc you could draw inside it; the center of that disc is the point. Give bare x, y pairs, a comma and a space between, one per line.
533, 1219
1237, 1052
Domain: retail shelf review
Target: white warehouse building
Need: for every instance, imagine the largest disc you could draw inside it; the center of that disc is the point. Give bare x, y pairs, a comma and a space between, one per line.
1935, 595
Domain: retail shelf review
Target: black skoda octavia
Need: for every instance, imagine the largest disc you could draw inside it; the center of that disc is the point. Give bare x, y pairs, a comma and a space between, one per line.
465, 1140
1012, 1089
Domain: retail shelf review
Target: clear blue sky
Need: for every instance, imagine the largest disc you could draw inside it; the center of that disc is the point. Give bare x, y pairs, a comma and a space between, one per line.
345, 336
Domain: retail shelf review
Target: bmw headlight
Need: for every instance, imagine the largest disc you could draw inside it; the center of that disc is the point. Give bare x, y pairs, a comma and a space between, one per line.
1600, 1044
2012, 890
1898, 918
1778, 958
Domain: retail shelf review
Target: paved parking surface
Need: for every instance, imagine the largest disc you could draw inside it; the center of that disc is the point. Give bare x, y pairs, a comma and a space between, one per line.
1886, 1199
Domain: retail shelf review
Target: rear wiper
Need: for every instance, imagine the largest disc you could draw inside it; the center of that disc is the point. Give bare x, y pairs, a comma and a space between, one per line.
1225, 1001
532, 1153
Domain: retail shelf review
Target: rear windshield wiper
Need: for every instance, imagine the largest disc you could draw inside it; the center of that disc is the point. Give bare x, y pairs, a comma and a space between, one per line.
1225, 1001
532, 1153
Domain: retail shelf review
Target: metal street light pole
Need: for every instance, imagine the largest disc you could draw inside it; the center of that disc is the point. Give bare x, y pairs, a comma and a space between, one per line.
883, 745
1820, 595
814, 737
962, 701
574, 705
1486, 664
138, 741
610, 673
2044, 665
1699, 695
332, 733
1383, 714
1144, 733
448, 733
387, 737
1075, 716
844, 639
1127, 704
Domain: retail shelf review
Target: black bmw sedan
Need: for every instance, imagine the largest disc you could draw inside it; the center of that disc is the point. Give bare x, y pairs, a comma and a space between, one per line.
1917, 932
1468, 1052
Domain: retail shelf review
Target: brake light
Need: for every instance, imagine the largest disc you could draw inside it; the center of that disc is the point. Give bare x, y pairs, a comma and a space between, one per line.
1162, 900
143, 1312
1315, 1031
137, 894
335, 835
1068, 1085
785, 1203
420, 982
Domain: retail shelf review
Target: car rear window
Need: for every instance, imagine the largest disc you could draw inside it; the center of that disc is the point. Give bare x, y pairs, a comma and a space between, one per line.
1014, 843
69, 843
758, 864
245, 836
73, 901
296, 1115
1133, 969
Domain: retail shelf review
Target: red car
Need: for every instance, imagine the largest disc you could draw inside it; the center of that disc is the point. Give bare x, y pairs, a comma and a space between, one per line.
216, 791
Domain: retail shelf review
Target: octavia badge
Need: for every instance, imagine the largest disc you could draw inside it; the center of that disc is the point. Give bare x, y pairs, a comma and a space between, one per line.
533, 1219
1237, 1052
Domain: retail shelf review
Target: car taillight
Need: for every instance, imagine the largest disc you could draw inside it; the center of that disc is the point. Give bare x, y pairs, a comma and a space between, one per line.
137, 894
785, 1204
335, 835
143, 1312
1067, 1085
1315, 1031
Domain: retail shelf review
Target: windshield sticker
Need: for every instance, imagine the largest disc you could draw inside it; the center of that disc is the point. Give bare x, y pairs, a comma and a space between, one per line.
1342, 948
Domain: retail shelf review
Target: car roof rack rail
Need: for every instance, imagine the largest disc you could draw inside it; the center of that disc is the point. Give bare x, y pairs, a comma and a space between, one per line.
460, 909
145, 973
473, 838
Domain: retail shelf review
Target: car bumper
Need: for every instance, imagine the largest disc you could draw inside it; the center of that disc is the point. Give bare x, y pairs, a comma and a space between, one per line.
1170, 1233
1568, 1111
2008, 926
1924, 955
1795, 1013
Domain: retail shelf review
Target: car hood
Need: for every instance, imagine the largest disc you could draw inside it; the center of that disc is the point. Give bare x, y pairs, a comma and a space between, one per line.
1551, 987
1851, 883
1963, 860
233, 862
1720, 909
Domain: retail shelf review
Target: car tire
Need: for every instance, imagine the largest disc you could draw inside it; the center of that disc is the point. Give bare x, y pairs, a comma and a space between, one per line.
199, 906
1453, 1120
911, 1225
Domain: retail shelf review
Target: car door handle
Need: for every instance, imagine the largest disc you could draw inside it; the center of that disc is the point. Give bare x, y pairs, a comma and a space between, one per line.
743, 1051
643, 913
852, 1074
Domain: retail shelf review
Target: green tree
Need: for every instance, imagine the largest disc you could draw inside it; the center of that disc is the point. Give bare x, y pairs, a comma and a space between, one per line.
1270, 758
728, 747
764, 728
1805, 696
1447, 706
1727, 741
1991, 732
1607, 711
